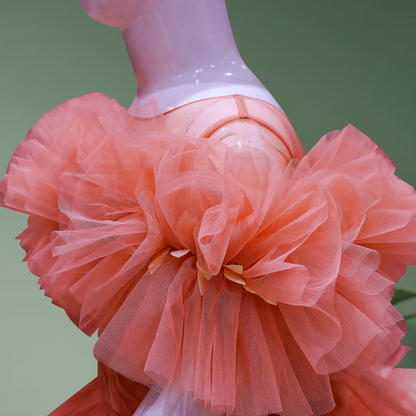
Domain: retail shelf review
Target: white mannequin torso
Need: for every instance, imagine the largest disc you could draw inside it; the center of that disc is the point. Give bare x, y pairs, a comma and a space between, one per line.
181, 50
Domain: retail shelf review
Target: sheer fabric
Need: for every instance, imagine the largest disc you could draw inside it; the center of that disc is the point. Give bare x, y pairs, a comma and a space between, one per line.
213, 257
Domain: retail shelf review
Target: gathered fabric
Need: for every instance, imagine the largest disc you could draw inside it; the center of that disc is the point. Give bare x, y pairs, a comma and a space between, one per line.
215, 259
110, 394
390, 392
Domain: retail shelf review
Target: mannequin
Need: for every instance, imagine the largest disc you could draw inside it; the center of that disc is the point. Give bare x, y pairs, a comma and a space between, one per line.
181, 50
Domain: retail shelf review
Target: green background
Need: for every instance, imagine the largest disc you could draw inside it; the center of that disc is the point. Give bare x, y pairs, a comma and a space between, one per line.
328, 63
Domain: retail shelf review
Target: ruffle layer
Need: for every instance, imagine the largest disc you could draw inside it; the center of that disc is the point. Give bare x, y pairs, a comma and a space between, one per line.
109, 394
387, 393
211, 270
60, 140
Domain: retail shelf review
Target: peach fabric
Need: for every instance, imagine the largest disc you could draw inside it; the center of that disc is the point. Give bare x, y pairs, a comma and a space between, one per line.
387, 393
110, 394
212, 255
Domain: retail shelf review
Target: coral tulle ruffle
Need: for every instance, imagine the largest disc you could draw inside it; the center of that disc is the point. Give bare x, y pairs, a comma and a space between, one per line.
243, 275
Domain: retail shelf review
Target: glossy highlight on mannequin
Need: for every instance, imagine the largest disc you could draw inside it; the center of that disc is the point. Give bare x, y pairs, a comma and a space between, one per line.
181, 50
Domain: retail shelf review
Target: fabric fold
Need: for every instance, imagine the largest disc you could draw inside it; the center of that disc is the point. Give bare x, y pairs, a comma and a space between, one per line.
390, 392
109, 394
207, 267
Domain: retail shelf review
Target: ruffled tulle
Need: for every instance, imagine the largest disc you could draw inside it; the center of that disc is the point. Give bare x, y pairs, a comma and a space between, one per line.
109, 394
387, 393
59, 141
295, 235
212, 270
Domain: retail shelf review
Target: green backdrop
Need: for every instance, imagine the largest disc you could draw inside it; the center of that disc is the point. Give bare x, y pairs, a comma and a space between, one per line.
327, 62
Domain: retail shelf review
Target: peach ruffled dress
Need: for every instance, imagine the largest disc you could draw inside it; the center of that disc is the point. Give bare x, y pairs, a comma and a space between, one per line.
216, 261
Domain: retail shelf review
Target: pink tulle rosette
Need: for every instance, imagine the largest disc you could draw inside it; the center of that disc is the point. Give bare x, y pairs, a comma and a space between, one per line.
212, 271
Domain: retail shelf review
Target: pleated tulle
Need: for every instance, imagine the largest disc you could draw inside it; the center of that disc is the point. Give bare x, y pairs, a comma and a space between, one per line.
222, 271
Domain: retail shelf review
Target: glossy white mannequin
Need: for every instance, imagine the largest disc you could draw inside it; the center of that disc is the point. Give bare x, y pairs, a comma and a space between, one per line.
181, 50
